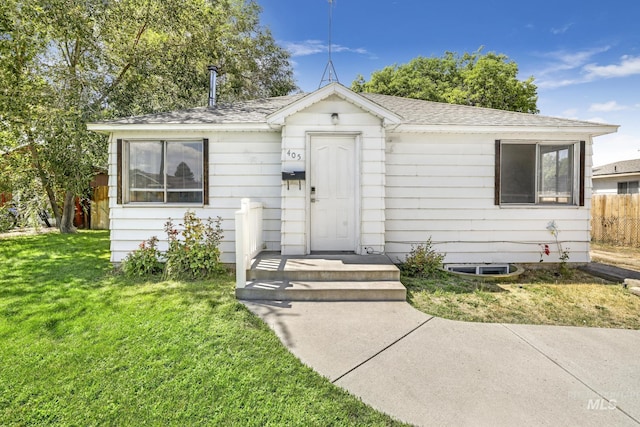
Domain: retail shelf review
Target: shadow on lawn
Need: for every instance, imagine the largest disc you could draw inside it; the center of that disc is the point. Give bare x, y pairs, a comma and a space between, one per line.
48, 276
216, 294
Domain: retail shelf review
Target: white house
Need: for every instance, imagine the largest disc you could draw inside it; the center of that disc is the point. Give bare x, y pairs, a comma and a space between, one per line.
339, 171
617, 178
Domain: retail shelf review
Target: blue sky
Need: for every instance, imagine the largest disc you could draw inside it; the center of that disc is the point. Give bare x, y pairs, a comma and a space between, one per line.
584, 55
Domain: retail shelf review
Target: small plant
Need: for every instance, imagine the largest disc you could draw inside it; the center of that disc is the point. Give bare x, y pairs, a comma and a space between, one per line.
194, 252
423, 261
563, 253
145, 261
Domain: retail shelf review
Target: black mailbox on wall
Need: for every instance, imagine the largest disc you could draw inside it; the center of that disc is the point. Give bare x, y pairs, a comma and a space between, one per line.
293, 176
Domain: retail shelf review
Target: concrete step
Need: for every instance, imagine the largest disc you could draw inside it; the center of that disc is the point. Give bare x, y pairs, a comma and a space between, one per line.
326, 267
326, 275
294, 290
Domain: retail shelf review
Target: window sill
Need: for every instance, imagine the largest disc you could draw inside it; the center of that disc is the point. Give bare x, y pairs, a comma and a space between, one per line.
162, 205
539, 206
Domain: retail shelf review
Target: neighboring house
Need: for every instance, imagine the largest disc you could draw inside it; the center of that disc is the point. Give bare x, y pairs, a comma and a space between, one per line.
375, 174
617, 178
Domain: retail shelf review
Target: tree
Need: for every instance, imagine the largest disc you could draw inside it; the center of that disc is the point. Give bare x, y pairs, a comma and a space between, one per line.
476, 79
184, 171
64, 63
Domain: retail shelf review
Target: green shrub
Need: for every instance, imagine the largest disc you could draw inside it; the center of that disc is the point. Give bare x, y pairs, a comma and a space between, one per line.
197, 254
145, 261
423, 261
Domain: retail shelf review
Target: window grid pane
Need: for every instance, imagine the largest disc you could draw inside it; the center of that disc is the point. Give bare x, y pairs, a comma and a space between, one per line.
537, 173
184, 165
555, 174
165, 171
517, 174
146, 165
628, 187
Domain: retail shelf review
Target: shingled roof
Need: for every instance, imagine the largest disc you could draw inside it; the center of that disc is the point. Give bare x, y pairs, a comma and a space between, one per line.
419, 112
254, 111
411, 111
623, 167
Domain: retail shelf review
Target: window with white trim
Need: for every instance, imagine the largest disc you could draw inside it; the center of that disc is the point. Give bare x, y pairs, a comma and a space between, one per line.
164, 171
628, 187
541, 173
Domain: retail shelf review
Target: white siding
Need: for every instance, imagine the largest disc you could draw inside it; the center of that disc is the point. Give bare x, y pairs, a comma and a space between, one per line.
411, 187
367, 129
241, 164
609, 185
441, 186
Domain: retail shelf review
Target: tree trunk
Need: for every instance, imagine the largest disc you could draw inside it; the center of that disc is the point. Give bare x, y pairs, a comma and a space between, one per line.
45, 182
68, 212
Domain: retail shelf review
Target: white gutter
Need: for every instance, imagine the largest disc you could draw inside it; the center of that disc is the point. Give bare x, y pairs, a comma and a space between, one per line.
221, 127
617, 175
596, 130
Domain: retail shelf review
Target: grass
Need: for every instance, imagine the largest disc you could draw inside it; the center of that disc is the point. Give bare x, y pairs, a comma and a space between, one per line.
80, 345
539, 297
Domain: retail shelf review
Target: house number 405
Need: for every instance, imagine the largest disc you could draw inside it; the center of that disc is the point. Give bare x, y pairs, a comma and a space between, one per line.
293, 155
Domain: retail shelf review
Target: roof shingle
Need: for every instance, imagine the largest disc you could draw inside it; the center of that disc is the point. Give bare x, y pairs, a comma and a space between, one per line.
412, 111
625, 166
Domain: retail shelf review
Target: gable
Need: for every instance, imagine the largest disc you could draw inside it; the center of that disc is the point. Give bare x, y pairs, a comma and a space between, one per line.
321, 113
333, 92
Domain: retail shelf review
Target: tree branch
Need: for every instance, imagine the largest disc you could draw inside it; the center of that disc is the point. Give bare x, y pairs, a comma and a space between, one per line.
126, 67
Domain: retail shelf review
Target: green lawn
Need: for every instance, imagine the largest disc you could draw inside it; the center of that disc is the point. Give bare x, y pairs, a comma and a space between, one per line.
80, 345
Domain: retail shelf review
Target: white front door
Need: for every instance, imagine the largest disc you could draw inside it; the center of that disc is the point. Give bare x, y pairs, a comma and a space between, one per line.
332, 193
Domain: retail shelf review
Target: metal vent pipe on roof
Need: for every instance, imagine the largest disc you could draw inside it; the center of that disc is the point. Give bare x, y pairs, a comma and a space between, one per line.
213, 74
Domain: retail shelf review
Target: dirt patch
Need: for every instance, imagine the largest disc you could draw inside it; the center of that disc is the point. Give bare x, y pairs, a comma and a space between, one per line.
625, 257
28, 231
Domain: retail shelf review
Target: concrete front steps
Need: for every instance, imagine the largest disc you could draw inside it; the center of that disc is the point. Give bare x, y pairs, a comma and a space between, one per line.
325, 277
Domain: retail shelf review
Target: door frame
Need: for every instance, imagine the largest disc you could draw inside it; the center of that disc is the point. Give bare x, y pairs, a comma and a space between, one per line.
357, 138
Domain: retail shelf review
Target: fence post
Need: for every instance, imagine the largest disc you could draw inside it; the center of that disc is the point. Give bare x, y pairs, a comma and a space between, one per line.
241, 232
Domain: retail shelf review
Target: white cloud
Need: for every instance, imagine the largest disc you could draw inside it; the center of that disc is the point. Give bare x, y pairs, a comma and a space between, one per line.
628, 66
607, 107
571, 68
571, 113
562, 29
307, 47
570, 60
313, 47
560, 62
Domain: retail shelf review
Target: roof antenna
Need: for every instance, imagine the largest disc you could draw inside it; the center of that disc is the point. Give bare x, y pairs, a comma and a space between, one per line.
329, 74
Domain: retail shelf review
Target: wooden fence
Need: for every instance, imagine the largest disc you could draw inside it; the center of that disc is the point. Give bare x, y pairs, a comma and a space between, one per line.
100, 208
615, 219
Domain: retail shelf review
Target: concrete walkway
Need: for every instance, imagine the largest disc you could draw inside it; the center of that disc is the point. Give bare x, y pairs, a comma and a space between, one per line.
431, 371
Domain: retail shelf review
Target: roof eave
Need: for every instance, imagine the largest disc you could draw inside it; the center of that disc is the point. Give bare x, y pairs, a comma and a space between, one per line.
617, 175
593, 131
220, 127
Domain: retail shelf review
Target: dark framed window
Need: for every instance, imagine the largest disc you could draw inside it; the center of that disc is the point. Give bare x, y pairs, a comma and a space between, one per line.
540, 173
162, 171
628, 187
